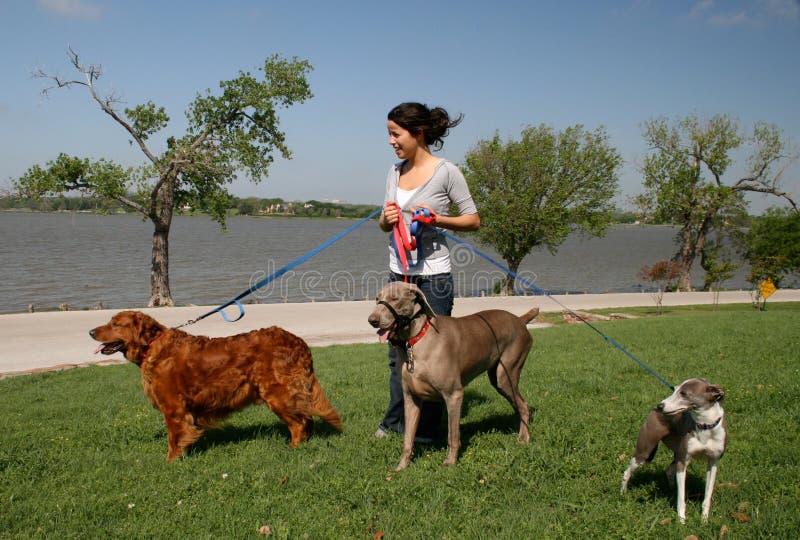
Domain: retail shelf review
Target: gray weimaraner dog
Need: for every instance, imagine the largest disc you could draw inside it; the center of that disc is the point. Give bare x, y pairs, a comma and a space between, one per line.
440, 355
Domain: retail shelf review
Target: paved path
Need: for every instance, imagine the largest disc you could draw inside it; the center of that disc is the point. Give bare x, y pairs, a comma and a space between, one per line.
31, 342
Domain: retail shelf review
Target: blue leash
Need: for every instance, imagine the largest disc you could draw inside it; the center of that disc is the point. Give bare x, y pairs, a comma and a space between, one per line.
547, 294
278, 273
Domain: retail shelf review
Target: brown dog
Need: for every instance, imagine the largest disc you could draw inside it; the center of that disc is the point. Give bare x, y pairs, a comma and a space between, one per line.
196, 380
441, 355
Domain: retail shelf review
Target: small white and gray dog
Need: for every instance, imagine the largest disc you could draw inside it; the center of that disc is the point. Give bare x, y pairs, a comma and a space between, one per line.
691, 423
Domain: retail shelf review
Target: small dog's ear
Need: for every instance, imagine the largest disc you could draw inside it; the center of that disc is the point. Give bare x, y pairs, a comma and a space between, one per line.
426, 307
716, 392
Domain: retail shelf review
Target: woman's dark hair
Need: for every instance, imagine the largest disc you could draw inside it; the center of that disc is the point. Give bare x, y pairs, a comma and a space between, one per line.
434, 123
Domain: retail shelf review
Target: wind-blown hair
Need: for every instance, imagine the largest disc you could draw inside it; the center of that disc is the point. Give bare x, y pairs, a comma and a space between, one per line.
433, 123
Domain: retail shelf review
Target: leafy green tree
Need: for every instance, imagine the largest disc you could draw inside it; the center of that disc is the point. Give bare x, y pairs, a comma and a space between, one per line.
683, 178
534, 191
234, 130
247, 207
773, 246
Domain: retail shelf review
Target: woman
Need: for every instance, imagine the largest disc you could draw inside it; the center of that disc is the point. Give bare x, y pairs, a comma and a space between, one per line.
423, 181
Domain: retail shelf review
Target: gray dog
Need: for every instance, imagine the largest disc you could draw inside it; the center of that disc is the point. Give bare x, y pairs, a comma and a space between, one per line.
441, 355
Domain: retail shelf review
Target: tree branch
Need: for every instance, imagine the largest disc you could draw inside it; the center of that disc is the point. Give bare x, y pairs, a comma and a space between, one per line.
758, 184
773, 191
91, 74
133, 204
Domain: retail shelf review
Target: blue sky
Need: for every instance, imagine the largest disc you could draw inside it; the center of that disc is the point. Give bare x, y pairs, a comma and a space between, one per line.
503, 64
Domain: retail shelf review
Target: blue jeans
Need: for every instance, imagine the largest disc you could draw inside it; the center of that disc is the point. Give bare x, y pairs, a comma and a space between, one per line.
439, 291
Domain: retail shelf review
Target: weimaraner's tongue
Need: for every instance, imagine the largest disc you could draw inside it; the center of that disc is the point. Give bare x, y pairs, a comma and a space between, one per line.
383, 335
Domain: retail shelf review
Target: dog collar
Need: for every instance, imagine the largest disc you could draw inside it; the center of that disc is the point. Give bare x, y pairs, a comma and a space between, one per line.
704, 427
408, 346
410, 342
147, 348
413, 340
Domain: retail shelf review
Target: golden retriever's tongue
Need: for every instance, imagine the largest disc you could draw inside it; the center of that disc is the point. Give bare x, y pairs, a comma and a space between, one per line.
110, 347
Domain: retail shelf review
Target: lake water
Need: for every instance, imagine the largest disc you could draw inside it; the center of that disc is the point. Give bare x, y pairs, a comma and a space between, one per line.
83, 259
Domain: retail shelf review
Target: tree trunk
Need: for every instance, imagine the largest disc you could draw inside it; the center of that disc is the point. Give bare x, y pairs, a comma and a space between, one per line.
686, 259
160, 295
508, 283
694, 243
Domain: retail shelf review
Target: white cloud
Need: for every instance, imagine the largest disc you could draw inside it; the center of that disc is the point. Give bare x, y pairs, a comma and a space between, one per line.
758, 13
729, 19
701, 6
789, 9
73, 9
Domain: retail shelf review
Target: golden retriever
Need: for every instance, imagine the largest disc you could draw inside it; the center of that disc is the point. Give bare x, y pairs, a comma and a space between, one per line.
196, 380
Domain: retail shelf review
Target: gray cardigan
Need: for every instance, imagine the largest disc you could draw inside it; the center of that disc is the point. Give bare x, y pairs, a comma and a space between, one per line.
446, 187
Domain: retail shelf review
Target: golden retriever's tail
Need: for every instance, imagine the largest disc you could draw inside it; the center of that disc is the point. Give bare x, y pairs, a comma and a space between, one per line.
322, 407
529, 316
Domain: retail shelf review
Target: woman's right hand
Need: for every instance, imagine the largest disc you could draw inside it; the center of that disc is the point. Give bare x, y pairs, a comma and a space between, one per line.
391, 214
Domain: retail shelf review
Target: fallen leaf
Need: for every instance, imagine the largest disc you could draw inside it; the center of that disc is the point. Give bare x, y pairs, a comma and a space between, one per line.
691, 537
760, 386
482, 480
265, 530
665, 521
723, 531
622, 457
741, 517
378, 536
283, 480
613, 398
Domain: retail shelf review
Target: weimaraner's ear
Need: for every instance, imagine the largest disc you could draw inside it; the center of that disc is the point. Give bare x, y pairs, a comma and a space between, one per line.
426, 307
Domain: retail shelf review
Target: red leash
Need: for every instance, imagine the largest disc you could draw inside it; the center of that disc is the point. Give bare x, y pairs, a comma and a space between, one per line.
404, 242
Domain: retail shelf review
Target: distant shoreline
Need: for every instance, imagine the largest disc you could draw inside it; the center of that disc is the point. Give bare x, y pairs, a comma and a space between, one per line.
286, 216
177, 214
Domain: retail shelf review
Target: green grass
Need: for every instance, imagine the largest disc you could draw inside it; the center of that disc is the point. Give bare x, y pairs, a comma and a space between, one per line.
82, 451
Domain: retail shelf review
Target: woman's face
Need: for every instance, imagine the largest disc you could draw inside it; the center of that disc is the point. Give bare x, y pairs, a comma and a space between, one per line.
404, 143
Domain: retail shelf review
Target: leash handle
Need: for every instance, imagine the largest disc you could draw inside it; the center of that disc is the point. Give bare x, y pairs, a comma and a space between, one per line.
399, 232
225, 316
404, 242
423, 216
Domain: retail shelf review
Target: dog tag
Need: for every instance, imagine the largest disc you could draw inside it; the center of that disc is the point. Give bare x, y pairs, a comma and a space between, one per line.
410, 359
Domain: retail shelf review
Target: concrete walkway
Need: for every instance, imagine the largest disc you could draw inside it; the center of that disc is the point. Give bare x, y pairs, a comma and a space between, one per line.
32, 342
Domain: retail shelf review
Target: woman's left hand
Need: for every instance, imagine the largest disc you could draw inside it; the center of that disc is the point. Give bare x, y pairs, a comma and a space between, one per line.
429, 220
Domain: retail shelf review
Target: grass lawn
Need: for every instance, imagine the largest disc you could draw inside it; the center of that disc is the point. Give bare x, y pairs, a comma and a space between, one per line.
82, 451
